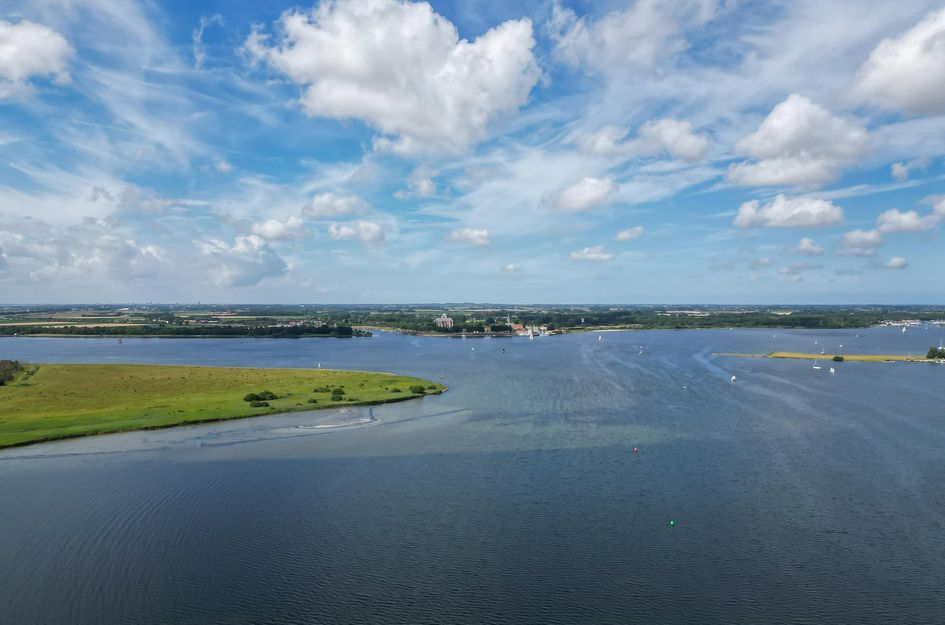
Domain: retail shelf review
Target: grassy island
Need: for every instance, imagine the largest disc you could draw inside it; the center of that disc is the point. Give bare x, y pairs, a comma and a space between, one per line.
836, 357
55, 401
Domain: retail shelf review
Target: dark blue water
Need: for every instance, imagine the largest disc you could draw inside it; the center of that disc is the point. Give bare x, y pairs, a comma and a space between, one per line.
798, 496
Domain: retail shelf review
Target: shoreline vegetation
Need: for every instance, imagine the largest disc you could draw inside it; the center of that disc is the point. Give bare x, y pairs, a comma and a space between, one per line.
47, 402
835, 357
454, 320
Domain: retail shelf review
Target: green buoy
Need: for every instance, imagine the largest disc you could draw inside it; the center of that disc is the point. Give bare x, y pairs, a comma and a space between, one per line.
672, 523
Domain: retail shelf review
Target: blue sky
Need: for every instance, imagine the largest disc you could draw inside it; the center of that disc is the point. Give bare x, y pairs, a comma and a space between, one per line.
691, 151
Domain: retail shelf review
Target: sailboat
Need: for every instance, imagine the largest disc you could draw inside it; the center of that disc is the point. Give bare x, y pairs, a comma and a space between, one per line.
832, 370
816, 366
600, 337
903, 329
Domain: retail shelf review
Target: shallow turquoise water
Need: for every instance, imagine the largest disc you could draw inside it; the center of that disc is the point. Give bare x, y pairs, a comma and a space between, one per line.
798, 496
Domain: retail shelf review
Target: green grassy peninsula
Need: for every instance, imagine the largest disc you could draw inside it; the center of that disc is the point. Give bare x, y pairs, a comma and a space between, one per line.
54, 401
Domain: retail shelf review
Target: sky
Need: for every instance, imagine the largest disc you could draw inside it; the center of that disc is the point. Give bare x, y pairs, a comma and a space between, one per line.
390, 151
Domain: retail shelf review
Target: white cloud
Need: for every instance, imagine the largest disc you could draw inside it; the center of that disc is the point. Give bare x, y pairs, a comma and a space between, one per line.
676, 137
797, 269
595, 253
668, 135
223, 166
761, 262
901, 171
200, 55
938, 204
799, 144
511, 268
860, 243
28, 49
245, 263
907, 72
630, 233
587, 194
368, 232
895, 220
420, 183
332, 206
645, 36
403, 69
782, 212
807, 247
89, 252
470, 236
275, 230
897, 262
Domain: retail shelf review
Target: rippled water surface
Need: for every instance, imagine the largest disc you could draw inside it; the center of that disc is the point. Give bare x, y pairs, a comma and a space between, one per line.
798, 496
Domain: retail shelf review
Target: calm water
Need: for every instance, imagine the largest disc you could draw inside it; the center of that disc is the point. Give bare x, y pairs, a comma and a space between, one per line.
798, 496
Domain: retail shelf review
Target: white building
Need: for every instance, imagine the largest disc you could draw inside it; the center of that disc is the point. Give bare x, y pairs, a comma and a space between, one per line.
443, 322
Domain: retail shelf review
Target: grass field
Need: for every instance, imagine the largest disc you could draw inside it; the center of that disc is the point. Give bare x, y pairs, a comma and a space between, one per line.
846, 357
55, 401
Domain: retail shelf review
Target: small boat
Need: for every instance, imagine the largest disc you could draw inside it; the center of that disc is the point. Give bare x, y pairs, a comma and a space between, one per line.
832, 370
733, 379
816, 366
600, 337
903, 329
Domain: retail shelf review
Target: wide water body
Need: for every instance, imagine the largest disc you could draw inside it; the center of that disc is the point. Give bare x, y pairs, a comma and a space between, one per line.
798, 496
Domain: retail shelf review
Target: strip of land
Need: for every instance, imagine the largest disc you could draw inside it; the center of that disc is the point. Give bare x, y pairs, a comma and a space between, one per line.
845, 357
54, 401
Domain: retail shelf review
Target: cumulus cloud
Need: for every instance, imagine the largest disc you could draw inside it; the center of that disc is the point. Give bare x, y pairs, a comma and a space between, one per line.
897, 262
783, 212
895, 220
93, 250
807, 247
403, 69
908, 72
587, 194
761, 262
28, 50
901, 171
333, 206
798, 144
644, 36
595, 253
420, 183
860, 243
245, 263
659, 136
275, 230
938, 204
470, 236
368, 232
630, 233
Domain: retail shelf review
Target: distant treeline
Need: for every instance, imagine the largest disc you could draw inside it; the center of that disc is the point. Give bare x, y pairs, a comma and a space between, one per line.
203, 330
8, 369
814, 318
